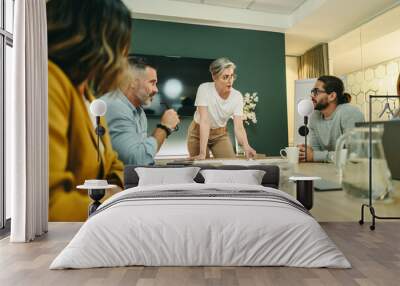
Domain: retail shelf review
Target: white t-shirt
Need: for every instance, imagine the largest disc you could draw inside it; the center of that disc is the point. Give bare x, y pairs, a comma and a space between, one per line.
219, 109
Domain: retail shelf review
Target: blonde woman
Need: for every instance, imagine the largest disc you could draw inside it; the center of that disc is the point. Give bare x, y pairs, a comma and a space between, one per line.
88, 43
217, 102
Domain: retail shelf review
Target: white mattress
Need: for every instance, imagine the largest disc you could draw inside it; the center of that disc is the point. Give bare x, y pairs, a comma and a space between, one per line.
202, 231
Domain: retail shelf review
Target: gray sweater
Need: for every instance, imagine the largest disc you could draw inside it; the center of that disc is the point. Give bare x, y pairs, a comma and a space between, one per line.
325, 131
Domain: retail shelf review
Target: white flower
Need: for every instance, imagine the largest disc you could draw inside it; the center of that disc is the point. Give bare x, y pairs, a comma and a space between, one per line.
249, 105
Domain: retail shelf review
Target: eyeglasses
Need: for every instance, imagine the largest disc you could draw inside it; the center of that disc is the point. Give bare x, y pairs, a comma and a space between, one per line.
316, 91
227, 77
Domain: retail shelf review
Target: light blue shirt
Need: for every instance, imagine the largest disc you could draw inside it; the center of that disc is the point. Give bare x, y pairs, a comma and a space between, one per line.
128, 129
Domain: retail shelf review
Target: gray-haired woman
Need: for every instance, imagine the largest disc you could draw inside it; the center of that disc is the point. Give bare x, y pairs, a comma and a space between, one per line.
216, 102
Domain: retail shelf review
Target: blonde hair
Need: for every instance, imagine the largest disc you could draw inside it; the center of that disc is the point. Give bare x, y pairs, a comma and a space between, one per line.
89, 40
127, 77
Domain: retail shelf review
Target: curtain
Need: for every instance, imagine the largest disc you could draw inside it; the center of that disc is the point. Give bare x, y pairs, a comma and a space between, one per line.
27, 124
314, 63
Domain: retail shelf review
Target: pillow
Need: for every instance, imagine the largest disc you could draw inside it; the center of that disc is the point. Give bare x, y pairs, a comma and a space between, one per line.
248, 177
166, 176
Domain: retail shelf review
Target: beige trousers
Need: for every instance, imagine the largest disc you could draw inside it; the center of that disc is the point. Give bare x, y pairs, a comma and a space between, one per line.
218, 142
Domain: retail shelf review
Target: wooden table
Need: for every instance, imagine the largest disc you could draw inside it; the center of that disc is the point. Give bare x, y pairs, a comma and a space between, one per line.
337, 205
328, 205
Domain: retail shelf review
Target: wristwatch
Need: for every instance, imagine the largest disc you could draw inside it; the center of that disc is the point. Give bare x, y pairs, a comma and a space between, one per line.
165, 128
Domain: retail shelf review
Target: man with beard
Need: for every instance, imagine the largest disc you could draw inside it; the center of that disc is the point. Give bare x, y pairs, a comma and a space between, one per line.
127, 121
332, 117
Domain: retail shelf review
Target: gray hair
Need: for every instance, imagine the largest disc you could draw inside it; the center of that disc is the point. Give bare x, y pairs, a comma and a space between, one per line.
221, 64
136, 69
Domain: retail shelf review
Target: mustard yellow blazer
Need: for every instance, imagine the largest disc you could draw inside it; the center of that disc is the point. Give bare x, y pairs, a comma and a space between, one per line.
73, 151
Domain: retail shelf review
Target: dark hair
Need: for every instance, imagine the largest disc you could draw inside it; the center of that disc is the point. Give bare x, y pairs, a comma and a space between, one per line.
89, 40
348, 96
140, 63
335, 84
398, 85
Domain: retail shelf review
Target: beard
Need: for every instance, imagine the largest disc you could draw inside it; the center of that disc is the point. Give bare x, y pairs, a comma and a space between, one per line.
321, 105
145, 98
146, 102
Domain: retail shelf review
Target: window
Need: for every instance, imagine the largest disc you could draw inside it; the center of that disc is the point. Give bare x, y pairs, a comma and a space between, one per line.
6, 64
9, 13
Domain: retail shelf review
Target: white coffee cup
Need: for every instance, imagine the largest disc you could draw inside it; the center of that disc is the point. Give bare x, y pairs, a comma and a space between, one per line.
291, 154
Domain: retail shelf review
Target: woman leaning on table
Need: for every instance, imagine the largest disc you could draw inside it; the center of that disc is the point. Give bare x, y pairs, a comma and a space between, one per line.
88, 42
216, 102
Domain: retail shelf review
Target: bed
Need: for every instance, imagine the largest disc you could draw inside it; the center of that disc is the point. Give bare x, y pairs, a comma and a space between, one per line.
201, 224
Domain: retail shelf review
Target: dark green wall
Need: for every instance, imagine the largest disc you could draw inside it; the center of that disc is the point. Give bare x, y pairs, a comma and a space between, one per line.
260, 60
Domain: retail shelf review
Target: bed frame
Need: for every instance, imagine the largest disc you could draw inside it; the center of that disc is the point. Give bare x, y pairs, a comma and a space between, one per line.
270, 179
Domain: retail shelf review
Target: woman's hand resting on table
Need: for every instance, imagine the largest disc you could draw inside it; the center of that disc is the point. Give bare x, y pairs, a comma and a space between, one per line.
249, 152
198, 157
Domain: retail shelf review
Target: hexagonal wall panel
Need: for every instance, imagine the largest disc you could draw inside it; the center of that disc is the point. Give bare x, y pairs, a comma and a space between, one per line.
375, 80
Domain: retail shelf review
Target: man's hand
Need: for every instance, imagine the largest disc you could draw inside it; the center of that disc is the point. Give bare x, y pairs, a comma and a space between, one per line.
249, 152
302, 154
170, 119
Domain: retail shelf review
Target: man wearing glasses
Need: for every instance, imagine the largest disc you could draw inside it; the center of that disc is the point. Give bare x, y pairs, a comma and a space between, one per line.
216, 102
332, 117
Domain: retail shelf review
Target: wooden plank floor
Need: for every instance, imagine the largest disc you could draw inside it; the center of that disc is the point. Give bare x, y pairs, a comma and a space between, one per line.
375, 257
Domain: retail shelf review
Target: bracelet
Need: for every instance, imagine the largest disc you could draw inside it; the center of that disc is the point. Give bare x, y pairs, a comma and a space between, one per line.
165, 128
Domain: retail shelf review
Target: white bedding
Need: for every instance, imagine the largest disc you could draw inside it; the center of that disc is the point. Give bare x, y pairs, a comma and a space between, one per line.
183, 231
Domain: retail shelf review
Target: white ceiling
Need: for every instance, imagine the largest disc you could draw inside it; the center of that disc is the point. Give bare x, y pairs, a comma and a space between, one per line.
331, 20
304, 22
286, 7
